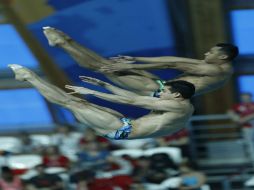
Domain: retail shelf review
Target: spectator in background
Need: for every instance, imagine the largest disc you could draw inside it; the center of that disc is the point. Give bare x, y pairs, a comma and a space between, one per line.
243, 109
53, 158
141, 168
156, 176
90, 136
91, 155
44, 181
162, 162
190, 179
184, 179
114, 166
118, 182
179, 139
114, 174
28, 146
9, 181
159, 180
82, 178
67, 140
242, 114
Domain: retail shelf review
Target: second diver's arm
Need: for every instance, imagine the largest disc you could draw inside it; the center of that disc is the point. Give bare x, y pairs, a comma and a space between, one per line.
112, 88
141, 101
166, 59
189, 68
149, 63
147, 102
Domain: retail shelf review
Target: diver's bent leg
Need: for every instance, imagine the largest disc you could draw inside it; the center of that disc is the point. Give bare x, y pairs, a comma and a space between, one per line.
101, 121
51, 92
99, 118
142, 82
138, 84
85, 57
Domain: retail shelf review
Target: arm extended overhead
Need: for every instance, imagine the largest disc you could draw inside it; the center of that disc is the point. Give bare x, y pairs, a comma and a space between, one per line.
141, 101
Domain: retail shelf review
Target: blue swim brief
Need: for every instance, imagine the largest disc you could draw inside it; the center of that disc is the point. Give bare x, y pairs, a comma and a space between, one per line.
123, 132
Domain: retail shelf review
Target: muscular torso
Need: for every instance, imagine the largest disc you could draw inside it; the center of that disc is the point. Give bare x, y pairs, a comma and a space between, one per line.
158, 124
205, 83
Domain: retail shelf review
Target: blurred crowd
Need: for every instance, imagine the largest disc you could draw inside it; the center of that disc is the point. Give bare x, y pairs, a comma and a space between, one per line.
75, 160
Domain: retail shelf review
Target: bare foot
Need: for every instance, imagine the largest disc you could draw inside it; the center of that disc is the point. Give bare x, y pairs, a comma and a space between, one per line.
21, 73
55, 37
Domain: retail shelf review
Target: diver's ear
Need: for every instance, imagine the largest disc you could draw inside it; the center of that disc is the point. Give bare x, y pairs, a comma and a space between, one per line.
223, 57
177, 95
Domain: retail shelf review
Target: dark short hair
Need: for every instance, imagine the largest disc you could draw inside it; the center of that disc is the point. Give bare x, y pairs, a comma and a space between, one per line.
186, 89
229, 49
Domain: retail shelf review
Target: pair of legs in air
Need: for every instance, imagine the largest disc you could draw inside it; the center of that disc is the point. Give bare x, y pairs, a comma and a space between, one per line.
140, 82
103, 120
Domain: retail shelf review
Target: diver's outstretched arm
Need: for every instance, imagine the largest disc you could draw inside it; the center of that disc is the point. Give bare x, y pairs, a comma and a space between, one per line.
112, 88
191, 67
147, 102
163, 59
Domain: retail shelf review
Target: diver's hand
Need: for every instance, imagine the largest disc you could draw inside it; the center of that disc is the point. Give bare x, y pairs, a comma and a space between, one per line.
123, 59
93, 81
79, 90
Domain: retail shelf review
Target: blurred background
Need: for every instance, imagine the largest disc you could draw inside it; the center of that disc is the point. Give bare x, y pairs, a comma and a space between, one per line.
40, 140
